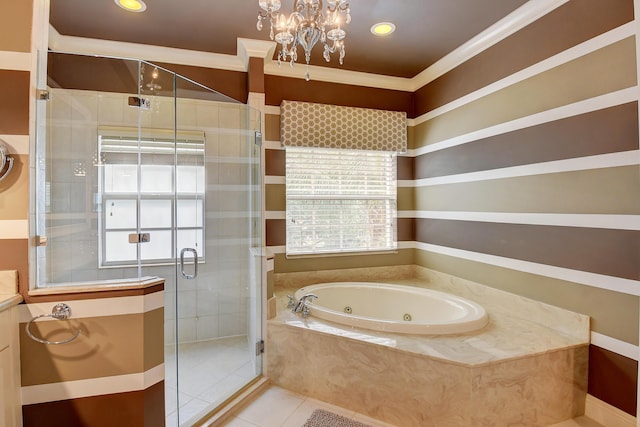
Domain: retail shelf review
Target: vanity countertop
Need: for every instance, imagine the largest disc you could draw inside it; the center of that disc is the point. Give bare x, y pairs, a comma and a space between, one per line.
9, 295
9, 300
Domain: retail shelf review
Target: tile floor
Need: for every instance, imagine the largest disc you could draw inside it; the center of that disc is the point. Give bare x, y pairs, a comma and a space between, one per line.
210, 371
278, 407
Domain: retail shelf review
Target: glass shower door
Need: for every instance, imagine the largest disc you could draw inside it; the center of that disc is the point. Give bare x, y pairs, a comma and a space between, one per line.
215, 291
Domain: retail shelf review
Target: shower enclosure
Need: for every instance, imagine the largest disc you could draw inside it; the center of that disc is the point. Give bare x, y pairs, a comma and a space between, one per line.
143, 173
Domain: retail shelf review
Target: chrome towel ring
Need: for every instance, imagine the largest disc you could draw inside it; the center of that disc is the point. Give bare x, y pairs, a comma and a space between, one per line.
6, 161
59, 311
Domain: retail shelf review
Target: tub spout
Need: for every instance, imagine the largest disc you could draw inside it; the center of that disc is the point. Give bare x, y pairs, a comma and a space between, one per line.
302, 306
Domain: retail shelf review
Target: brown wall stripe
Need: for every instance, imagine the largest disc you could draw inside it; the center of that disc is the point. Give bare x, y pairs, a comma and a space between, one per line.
613, 378
233, 84
284, 265
600, 72
570, 24
610, 252
604, 131
291, 89
256, 75
612, 313
274, 162
272, 127
15, 26
133, 409
406, 168
109, 346
116, 75
276, 232
594, 191
14, 102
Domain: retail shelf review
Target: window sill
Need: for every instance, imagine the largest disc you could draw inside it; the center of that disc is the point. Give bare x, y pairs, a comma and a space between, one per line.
341, 254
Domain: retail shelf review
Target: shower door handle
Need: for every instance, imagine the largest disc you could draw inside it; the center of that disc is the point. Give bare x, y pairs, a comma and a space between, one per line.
195, 263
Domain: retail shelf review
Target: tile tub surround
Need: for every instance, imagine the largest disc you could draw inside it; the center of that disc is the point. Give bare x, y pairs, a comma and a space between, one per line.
515, 370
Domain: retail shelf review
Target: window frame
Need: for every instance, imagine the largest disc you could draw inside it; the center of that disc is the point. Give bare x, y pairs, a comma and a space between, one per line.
293, 190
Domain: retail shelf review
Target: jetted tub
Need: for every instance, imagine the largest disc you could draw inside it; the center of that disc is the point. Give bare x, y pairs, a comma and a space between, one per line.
394, 308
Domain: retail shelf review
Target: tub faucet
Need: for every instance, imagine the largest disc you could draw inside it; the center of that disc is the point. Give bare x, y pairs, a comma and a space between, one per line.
302, 306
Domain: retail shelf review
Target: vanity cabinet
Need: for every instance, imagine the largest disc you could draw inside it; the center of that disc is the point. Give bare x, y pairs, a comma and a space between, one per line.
10, 411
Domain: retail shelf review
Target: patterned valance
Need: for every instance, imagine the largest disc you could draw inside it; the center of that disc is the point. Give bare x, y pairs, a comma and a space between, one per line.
304, 124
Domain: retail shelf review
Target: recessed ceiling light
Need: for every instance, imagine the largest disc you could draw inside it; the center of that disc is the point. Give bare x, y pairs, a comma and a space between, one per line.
132, 5
383, 28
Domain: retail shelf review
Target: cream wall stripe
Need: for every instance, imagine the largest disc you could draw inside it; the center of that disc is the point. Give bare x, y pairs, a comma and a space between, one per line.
575, 52
615, 222
273, 145
274, 110
274, 180
277, 249
17, 61
611, 160
581, 107
18, 144
92, 387
14, 229
275, 214
97, 307
617, 284
615, 345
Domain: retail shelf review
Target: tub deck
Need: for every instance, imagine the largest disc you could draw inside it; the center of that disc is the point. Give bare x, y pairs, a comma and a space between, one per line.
527, 367
504, 337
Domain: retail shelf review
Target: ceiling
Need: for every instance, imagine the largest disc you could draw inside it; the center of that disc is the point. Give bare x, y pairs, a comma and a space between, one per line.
426, 29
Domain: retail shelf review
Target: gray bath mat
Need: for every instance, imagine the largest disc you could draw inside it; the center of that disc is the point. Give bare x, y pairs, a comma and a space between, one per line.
322, 418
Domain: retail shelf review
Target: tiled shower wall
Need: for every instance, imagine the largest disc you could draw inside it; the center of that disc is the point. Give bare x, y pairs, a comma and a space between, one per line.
211, 306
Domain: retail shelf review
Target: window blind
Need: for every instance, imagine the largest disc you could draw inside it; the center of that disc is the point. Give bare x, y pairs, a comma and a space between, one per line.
340, 200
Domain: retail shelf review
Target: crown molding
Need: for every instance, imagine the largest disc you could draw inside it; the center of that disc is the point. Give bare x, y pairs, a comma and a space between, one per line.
87, 46
520, 18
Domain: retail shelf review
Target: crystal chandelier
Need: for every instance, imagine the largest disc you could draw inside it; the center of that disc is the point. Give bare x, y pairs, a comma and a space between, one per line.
305, 27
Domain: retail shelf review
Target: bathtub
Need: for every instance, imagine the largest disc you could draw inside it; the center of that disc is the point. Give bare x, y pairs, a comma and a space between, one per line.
394, 308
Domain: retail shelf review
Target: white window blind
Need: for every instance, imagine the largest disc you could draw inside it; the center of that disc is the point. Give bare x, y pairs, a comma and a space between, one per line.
340, 200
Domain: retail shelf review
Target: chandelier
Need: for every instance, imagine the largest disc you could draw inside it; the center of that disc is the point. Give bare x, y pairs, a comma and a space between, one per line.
305, 27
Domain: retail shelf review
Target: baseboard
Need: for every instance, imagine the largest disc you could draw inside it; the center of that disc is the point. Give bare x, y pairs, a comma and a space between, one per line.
606, 414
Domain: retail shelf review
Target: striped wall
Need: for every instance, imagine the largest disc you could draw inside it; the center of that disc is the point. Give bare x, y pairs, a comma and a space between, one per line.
16, 63
522, 174
526, 176
280, 88
112, 374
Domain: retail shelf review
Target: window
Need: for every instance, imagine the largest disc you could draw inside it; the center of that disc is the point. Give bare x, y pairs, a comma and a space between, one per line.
340, 201
153, 198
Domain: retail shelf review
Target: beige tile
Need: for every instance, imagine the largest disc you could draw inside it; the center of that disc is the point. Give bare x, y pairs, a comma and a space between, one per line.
272, 408
578, 422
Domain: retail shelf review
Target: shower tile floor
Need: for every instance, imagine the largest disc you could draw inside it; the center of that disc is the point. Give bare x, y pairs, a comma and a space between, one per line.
210, 371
